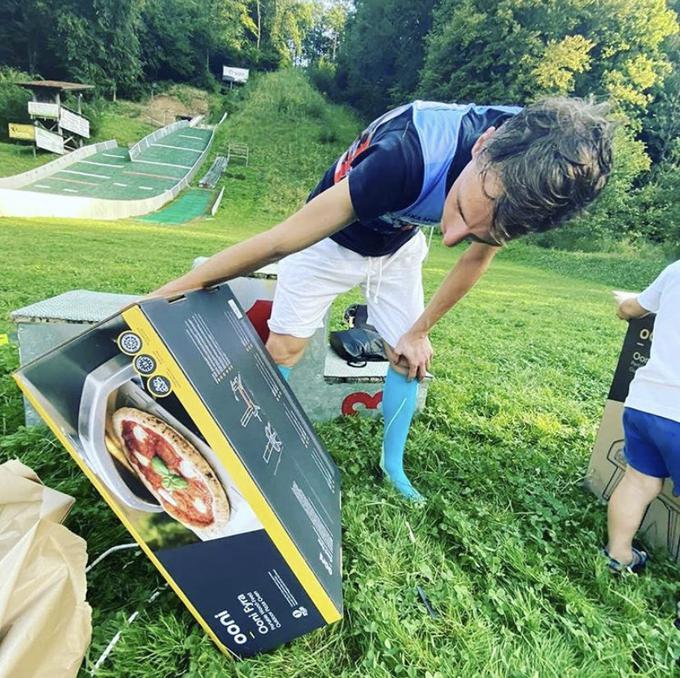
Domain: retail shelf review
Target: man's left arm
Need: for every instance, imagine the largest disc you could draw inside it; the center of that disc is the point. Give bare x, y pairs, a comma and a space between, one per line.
414, 349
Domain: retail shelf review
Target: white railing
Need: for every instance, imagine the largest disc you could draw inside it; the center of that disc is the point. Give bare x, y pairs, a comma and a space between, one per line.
152, 138
28, 204
25, 178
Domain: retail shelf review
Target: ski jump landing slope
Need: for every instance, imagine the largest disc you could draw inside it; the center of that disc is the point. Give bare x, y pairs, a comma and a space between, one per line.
105, 181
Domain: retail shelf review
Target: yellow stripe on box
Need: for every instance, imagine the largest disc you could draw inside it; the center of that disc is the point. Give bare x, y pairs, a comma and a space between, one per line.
35, 401
197, 410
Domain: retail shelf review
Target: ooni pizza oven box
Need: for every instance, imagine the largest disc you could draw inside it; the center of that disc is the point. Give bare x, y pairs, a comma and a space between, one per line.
661, 525
176, 413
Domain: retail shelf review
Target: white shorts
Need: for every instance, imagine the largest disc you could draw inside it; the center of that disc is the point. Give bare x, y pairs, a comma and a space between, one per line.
309, 281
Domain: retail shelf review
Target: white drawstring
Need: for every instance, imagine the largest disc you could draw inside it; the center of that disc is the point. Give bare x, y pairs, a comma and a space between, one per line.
369, 272
368, 279
380, 277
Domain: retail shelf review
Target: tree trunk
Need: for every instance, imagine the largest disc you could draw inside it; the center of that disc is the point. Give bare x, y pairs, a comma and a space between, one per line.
259, 23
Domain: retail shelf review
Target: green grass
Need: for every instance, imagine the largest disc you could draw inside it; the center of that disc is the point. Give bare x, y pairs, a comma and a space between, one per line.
506, 548
120, 121
18, 157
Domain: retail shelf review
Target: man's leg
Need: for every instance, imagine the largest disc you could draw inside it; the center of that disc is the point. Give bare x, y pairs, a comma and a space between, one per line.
398, 405
627, 507
286, 351
395, 302
307, 284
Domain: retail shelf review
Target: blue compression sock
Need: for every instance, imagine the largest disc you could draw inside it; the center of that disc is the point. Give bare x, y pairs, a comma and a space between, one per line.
398, 406
285, 371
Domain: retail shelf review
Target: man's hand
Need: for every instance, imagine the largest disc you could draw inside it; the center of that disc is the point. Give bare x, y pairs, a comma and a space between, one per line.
414, 352
172, 289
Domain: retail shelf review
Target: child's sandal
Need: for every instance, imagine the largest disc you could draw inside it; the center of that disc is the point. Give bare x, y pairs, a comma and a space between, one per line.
636, 566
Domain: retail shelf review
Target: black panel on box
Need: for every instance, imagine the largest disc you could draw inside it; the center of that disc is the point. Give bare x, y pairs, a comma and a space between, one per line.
634, 354
212, 339
244, 590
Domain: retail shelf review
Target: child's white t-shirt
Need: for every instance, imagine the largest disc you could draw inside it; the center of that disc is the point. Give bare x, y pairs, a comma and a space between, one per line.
656, 386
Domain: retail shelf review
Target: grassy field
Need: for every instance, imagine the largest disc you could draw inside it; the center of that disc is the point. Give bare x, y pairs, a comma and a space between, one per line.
507, 546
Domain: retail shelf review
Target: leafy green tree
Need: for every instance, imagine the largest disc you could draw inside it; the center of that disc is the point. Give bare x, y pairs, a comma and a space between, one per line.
13, 99
382, 52
96, 41
322, 39
661, 126
24, 34
286, 24
519, 50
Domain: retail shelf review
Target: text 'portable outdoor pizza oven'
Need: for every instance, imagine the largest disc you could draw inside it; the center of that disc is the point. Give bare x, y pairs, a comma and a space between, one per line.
178, 416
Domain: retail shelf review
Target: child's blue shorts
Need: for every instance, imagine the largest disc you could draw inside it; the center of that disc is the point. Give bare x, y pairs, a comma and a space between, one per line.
653, 445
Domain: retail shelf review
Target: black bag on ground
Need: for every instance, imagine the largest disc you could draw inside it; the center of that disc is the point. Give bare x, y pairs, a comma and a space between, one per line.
361, 343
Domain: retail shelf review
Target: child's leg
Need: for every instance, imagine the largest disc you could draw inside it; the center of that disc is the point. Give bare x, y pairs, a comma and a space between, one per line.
627, 507
398, 406
641, 483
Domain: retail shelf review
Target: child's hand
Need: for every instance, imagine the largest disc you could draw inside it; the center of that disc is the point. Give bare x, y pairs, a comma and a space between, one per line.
628, 306
619, 298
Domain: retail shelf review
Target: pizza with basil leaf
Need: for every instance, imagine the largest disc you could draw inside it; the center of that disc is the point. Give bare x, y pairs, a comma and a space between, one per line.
174, 471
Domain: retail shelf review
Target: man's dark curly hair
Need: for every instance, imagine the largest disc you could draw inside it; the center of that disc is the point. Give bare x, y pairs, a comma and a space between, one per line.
553, 158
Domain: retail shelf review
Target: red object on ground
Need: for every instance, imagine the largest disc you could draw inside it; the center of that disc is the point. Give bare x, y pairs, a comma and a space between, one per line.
258, 314
370, 402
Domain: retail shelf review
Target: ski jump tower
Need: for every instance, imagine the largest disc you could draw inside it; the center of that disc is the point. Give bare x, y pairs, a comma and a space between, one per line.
56, 128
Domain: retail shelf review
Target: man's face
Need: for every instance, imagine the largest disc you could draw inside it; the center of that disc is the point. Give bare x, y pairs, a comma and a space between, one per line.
468, 209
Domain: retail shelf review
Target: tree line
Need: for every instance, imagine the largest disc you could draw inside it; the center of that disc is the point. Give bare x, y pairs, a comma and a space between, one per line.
517, 51
124, 45
375, 54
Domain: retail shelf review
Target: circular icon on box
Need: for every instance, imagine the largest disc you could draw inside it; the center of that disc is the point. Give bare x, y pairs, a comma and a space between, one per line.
159, 386
129, 343
144, 364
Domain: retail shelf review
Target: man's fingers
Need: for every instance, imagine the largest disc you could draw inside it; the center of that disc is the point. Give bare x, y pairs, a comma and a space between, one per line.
412, 371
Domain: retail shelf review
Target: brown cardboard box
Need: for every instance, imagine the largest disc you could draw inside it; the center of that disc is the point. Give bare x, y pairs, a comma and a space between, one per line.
661, 525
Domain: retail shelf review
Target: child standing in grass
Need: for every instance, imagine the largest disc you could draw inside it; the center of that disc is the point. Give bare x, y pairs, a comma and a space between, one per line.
651, 420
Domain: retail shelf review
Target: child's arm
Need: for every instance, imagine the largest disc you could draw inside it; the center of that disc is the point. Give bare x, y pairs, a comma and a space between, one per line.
628, 306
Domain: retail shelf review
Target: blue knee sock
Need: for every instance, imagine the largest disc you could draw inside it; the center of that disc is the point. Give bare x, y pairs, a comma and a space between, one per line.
285, 371
398, 406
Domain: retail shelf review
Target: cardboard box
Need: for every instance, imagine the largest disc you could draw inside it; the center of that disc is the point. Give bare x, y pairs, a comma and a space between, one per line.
178, 416
661, 524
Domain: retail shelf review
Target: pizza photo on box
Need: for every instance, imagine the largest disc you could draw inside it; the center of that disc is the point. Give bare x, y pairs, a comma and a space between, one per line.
160, 471
173, 471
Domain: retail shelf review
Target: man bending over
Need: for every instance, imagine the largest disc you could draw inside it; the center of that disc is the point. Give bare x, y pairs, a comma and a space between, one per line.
485, 174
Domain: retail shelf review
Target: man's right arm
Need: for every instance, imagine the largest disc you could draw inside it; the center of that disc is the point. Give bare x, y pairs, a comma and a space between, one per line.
322, 216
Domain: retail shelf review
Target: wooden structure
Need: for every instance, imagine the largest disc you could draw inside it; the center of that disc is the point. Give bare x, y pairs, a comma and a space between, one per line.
57, 128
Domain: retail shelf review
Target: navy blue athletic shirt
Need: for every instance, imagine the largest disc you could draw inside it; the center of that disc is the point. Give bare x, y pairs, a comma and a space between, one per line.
387, 175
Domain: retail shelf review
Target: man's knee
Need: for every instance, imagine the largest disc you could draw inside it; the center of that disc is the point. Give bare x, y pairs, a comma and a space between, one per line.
285, 349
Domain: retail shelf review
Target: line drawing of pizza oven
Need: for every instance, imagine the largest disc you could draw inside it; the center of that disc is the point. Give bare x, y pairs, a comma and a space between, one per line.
615, 455
242, 395
671, 520
115, 384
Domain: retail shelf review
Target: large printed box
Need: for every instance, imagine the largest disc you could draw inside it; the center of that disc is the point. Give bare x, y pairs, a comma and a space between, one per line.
661, 525
176, 413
